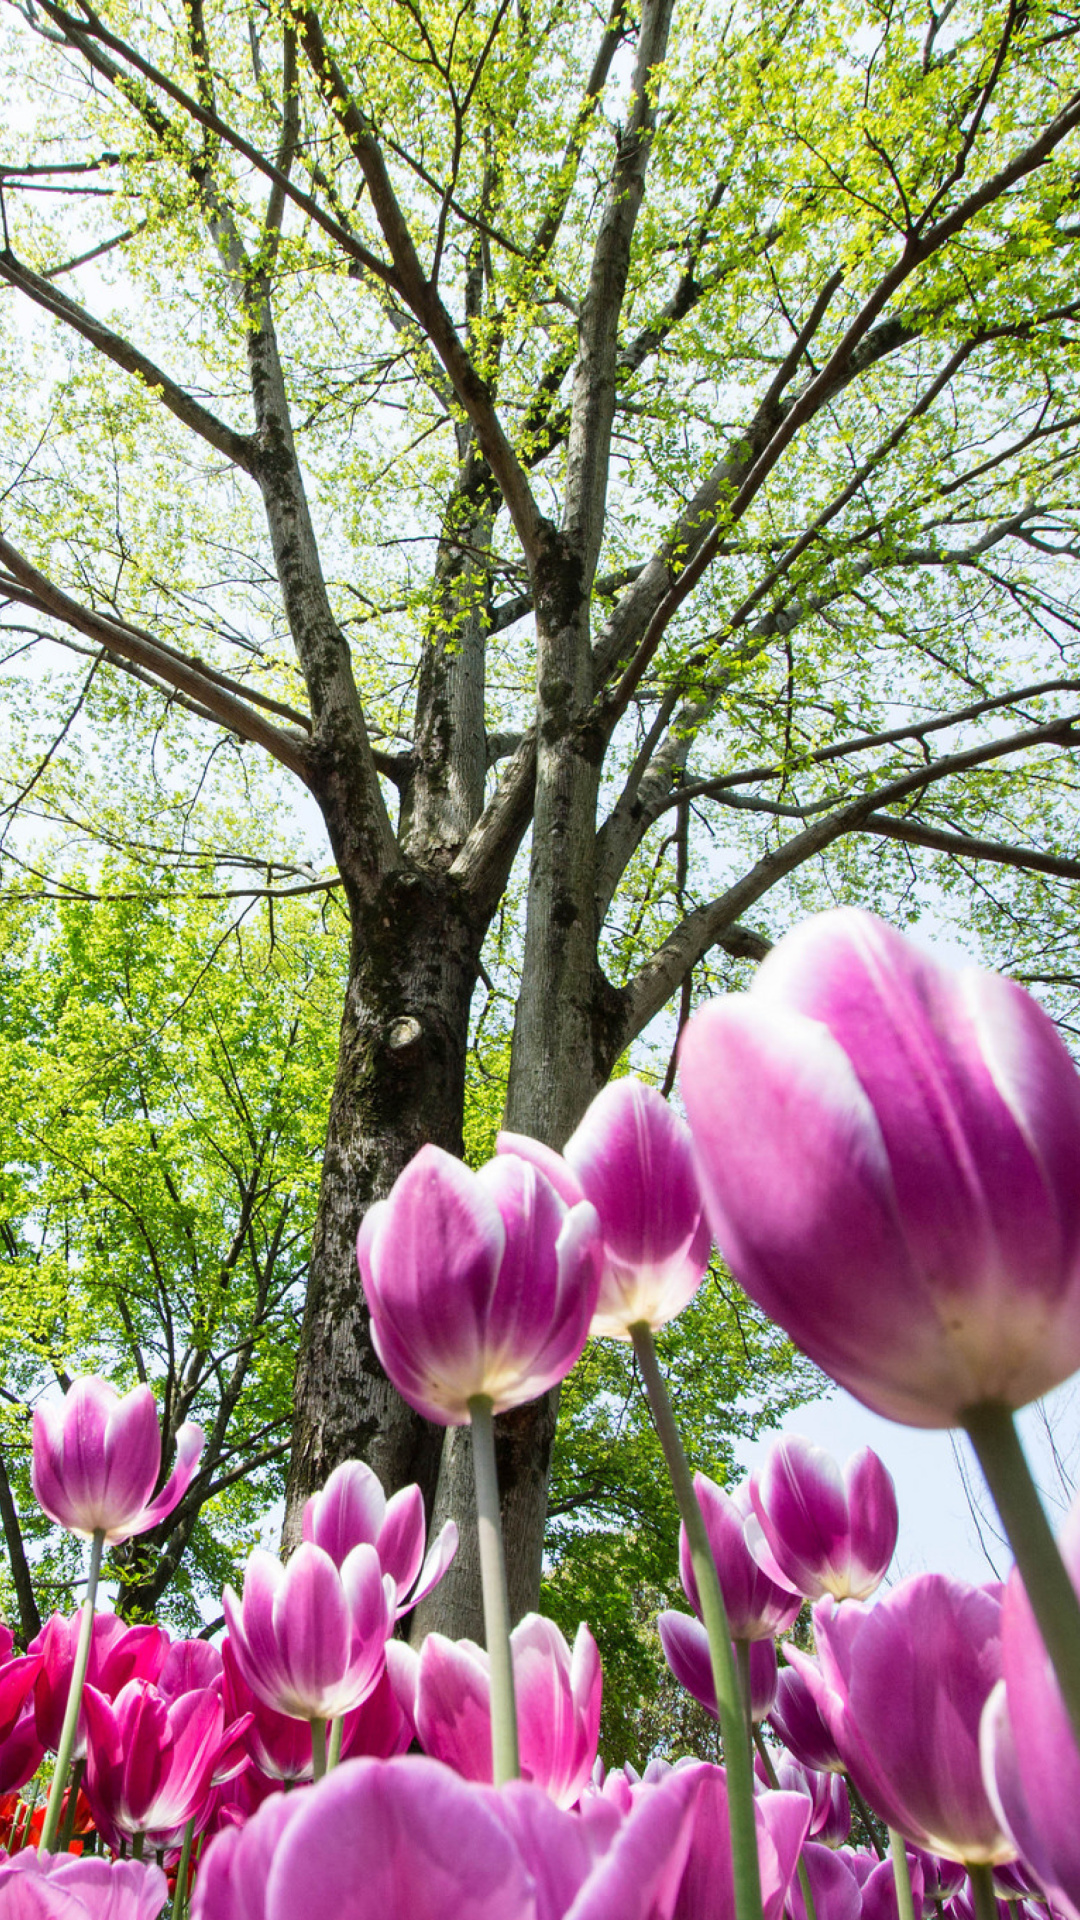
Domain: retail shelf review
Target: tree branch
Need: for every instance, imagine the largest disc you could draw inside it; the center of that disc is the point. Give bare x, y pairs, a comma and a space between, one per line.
969, 846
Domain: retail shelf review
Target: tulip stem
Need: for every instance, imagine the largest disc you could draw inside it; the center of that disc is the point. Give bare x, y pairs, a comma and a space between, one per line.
905, 1905
864, 1814
992, 1432
180, 1896
67, 1825
733, 1723
69, 1729
774, 1781
983, 1896
504, 1735
333, 1751
318, 1747
742, 1667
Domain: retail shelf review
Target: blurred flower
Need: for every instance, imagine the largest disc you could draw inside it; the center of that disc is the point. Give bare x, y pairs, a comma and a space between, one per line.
890, 1153
97, 1458
1031, 1765
309, 1637
632, 1156
901, 1686
352, 1510
757, 1607
820, 1531
686, 1650
479, 1284
446, 1691
433, 1845
56, 1886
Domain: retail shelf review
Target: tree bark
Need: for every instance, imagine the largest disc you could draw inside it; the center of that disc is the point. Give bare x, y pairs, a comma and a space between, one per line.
400, 1083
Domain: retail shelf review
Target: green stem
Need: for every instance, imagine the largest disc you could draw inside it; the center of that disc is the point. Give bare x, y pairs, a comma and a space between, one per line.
180, 1896
742, 1667
333, 1753
905, 1905
71, 1715
67, 1825
138, 1845
733, 1726
774, 1782
992, 1432
318, 1747
504, 1737
864, 1814
982, 1890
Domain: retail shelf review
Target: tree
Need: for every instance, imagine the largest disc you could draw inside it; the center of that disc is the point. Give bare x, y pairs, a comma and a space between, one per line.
648, 442
165, 1073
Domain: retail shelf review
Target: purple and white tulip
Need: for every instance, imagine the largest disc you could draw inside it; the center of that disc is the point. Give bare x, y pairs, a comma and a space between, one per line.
818, 1530
480, 1285
97, 1458
890, 1154
632, 1156
758, 1607
310, 1638
352, 1509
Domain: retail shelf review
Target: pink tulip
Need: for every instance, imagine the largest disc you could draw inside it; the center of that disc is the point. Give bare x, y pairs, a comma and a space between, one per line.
97, 1459
18, 1674
796, 1718
686, 1650
117, 1654
280, 1745
352, 1510
310, 1638
480, 1285
433, 1845
902, 1686
820, 1531
890, 1153
757, 1607
445, 1690
836, 1890
830, 1816
706, 1891
21, 1752
1031, 1765
150, 1762
60, 1886
632, 1156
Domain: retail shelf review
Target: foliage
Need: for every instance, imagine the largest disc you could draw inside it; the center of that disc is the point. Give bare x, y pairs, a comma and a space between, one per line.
165, 1066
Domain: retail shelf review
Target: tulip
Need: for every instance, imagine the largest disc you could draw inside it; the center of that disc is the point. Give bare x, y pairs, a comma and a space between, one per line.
42, 1886
117, 1654
433, 1845
309, 1638
21, 1752
18, 1673
819, 1531
707, 1888
352, 1509
830, 1815
797, 1719
632, 1156
834, 1886
686, 1650
890, 1153
1031, 1764
280, 1745
150, 1762
757, 1606
445, 1690
97, 1457
480, 1285
481, 1289
902, 1686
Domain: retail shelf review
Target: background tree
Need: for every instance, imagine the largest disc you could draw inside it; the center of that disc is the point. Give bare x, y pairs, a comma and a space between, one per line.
647, 442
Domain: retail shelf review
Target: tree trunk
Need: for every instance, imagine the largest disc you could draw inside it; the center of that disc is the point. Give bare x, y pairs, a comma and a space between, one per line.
400, 1083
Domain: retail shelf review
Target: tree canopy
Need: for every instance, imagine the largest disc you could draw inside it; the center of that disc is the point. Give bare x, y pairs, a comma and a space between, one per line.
621, 469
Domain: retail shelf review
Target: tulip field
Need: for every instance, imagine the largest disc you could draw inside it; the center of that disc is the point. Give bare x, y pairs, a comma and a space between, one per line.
887, 1154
